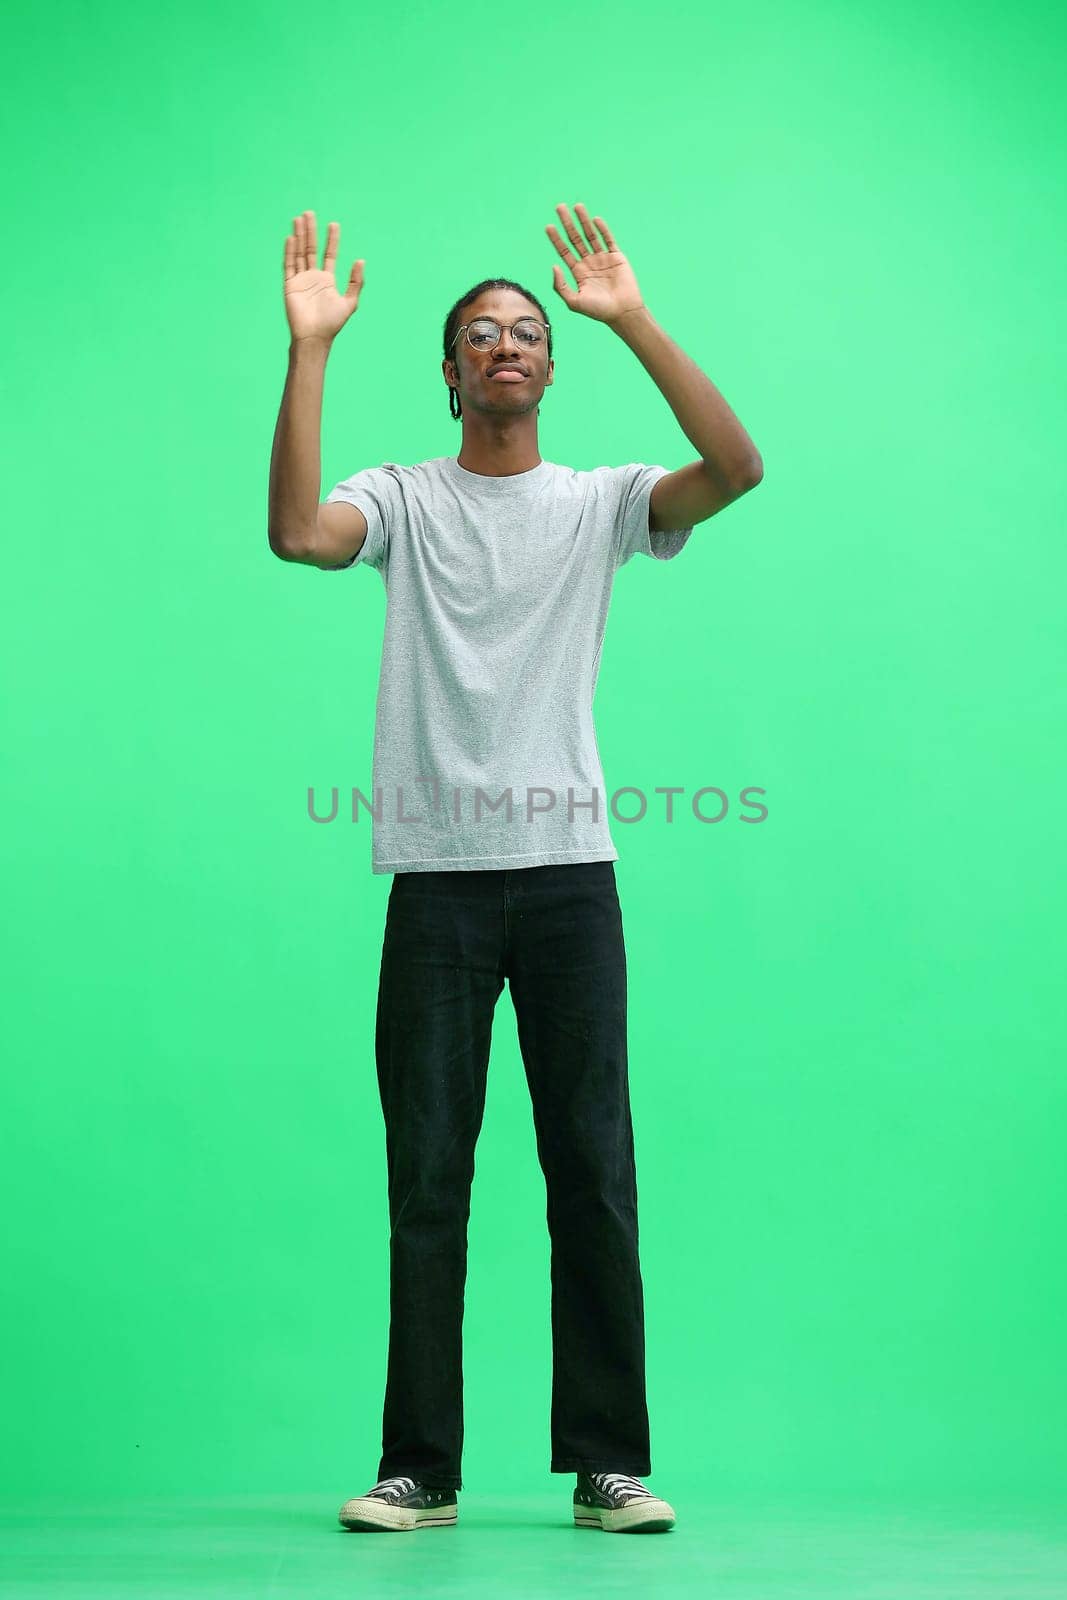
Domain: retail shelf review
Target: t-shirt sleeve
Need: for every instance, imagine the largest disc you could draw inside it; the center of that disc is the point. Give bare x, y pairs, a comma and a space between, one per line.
634, 484
378, 493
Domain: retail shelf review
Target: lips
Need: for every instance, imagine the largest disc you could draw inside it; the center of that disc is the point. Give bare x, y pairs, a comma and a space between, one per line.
508, 367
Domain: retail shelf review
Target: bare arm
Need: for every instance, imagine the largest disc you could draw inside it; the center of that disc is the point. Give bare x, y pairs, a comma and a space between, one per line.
298, 527
727, 453
729, 464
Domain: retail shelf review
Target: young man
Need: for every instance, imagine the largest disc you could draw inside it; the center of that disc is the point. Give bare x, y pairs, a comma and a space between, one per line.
489, 810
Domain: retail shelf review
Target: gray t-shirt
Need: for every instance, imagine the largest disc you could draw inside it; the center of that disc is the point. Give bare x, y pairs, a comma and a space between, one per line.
498, 591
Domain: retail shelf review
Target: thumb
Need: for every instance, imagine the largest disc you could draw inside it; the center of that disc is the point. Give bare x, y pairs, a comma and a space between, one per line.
355, 281
559, 283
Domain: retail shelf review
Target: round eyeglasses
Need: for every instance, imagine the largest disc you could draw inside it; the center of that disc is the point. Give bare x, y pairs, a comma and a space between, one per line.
483, 333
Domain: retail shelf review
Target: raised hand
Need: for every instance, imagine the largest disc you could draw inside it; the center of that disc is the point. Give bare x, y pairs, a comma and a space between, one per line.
313, 307
607, 287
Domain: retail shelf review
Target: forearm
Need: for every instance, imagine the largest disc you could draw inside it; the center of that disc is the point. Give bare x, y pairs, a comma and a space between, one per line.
703, 415
296, 460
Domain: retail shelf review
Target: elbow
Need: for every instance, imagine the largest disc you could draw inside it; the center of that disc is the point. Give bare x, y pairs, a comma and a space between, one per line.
285, 547
751, 476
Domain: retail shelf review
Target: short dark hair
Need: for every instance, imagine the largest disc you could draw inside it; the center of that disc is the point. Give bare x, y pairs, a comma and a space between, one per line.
454, 321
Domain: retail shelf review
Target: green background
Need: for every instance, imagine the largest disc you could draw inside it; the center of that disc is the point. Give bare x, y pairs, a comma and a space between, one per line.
847, 1023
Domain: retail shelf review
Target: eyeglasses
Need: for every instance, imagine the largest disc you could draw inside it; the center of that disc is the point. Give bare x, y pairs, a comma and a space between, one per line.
484, 333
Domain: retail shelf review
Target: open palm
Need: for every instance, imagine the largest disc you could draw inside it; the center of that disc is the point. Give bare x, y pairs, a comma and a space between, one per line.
606, 284
313, 307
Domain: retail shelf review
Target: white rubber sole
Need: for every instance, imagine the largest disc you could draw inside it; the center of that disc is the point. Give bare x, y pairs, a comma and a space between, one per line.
640, 1516
368, 1513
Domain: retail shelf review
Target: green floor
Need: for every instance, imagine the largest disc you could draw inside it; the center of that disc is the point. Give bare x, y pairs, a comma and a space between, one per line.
273, 1546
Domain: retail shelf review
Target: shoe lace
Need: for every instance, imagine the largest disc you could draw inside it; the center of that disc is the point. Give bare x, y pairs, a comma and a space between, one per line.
609, 1481
401, 1485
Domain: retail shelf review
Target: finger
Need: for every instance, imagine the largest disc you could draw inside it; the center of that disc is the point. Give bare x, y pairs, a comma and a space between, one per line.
299, 259
329, 260
572, 232
312, 242
587, 226
569, 257
287, 259
609, 237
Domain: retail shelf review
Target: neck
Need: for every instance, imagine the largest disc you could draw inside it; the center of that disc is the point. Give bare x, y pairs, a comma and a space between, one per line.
498, 447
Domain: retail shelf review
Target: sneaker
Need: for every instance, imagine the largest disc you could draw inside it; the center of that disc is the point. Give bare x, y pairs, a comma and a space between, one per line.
619, 1503
400, 1503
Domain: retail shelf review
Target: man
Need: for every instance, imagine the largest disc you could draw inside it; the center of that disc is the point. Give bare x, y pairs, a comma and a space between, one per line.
498, 569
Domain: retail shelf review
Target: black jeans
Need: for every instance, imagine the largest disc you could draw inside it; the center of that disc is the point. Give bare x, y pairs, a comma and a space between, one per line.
451, 939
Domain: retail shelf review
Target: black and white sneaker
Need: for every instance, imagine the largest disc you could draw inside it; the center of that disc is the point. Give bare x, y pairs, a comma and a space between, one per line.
619, 1503
400, 1503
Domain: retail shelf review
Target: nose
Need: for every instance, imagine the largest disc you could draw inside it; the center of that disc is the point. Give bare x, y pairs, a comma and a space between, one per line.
505, 347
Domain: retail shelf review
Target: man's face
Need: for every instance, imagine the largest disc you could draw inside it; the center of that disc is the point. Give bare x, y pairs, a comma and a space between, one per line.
511, 393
